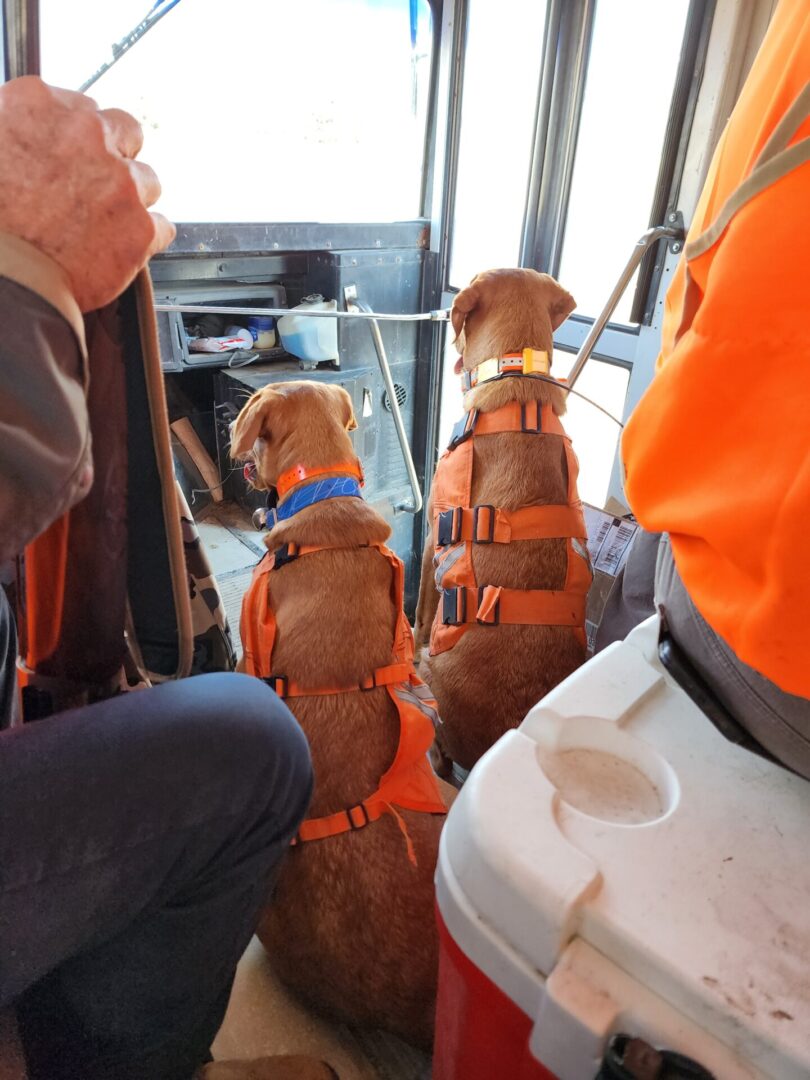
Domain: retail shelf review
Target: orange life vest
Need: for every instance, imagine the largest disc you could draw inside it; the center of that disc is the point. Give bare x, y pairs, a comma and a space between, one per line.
409, 783
715, 452
457, 526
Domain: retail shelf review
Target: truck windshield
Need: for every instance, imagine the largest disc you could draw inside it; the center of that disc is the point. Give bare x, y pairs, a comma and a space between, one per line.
264, 110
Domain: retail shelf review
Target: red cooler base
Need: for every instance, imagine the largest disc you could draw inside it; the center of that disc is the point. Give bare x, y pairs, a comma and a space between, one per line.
480, 1033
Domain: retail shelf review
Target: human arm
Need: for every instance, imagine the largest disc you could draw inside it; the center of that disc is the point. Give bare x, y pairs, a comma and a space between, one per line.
74, 231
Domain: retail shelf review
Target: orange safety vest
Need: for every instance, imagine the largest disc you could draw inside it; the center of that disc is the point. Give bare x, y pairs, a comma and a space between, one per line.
716, 452
457, 526
409, 783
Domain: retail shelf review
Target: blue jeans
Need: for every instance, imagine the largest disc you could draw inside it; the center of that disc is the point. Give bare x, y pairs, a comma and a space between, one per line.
139, 839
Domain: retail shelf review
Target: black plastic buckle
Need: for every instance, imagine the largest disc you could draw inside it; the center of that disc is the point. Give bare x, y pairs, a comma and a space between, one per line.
451, 615
489, 539
449, 531
496, 611
463, 429
629, 1058
366, 818
369, 683
537, 427
278, 683
284, 555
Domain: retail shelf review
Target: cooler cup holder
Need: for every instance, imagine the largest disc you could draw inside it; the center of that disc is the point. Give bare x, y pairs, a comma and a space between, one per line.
604, 773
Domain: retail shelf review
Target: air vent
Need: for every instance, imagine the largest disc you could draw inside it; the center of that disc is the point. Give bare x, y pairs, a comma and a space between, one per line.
401, 393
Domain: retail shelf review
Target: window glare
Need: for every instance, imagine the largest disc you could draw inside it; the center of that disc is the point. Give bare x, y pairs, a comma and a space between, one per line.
501, 80
631, 75
594, 436
263, 110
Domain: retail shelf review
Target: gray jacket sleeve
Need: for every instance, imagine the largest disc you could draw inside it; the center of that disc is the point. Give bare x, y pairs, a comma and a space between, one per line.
45, 458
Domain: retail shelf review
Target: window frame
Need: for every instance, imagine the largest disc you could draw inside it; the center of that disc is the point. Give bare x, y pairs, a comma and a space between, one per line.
564, 66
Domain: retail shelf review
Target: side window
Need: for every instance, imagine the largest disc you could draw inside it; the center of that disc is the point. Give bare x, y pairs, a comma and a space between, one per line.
594, 434
631, 75
503, 58
263, 111
566, 176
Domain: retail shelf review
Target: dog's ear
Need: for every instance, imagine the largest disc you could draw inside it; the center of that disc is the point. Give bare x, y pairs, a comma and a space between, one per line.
249, 424
561, 304
347, 414
465, 302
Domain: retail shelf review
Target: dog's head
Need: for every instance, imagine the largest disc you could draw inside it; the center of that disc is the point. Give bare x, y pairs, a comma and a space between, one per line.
292, 423
508, 310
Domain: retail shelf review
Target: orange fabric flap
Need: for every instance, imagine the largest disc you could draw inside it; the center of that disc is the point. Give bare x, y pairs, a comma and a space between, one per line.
410, 782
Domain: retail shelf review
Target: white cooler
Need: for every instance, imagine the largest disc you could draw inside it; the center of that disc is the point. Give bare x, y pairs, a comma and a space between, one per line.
615, 865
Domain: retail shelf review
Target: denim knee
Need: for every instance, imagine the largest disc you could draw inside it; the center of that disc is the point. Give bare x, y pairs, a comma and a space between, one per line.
256, 733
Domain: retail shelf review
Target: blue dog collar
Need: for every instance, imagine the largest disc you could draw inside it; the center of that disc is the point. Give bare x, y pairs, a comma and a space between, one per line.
334, 487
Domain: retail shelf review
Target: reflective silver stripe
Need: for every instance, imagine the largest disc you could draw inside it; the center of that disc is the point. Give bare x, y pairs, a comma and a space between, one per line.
773, 163
445, 561
787, 127
420, 697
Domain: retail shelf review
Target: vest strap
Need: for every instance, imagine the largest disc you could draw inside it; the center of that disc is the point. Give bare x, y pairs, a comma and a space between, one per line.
526, 418
381, 676
463, 429
486, 524
491, 605
356, 817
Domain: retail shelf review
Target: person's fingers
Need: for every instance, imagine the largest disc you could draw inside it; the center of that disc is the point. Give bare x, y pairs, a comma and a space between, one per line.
146, 182
165, 232
123, 132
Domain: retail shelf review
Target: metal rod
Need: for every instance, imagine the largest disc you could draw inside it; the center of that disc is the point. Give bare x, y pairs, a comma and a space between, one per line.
277, 313
126, 43
385, 370
19, 25
650, 237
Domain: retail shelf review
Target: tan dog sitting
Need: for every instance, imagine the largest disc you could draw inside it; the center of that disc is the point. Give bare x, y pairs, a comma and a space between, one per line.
505, 571
352, 926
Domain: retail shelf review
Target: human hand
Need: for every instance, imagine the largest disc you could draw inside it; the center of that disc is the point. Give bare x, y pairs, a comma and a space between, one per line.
69, 186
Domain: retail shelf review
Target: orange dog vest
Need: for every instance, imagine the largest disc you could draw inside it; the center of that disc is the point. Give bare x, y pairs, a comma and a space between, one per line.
409, 783
457, 526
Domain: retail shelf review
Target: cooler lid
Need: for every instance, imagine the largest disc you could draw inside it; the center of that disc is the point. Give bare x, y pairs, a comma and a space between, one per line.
617, 815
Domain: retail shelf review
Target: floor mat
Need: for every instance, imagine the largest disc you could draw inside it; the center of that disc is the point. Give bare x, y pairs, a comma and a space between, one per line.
233, 587
263, 1019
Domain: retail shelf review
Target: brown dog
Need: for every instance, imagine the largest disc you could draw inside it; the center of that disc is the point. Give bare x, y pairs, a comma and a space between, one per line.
352, 927
491, 676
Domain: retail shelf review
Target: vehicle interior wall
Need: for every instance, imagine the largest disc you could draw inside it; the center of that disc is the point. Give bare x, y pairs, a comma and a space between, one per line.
383, 269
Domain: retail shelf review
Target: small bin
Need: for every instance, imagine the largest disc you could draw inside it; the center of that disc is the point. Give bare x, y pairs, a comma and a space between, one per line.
615, 865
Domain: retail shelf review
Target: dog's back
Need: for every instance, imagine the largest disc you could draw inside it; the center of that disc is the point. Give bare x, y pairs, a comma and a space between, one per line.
351, 927
491, 675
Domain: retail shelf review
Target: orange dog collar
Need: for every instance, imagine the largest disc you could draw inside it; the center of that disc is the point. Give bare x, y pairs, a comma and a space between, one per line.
298, 473
525, 362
